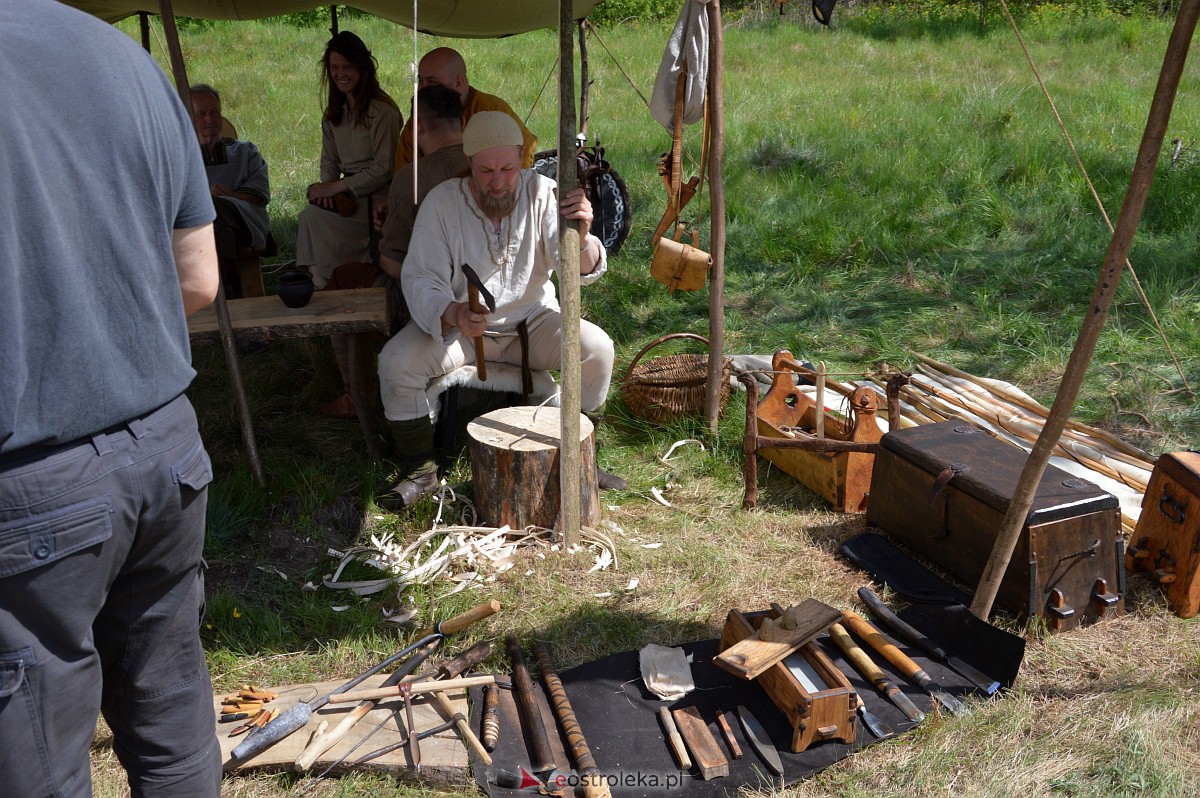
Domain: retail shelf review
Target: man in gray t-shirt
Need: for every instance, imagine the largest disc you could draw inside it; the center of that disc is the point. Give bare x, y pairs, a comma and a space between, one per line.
107, 246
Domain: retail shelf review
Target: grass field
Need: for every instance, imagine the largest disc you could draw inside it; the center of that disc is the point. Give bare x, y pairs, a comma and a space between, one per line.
895, 185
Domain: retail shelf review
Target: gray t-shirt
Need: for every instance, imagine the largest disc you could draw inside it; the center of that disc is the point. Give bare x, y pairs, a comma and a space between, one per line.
100, 164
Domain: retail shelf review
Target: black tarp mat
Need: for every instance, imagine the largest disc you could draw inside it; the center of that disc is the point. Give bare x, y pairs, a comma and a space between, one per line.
618, 716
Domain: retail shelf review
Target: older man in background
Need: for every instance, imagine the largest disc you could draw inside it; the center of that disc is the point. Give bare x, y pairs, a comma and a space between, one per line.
238, 181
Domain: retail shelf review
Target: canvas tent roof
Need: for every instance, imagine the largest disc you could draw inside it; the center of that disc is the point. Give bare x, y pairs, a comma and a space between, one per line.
459, 18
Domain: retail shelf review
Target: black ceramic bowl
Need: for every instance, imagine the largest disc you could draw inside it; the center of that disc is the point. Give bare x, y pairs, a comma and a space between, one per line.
294, 288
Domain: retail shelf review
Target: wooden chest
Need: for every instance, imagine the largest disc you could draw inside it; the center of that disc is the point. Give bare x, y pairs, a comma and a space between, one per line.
1166, 541
821, 707
943, 489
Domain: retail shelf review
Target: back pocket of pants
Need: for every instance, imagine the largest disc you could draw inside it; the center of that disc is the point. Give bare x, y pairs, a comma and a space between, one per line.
37, 540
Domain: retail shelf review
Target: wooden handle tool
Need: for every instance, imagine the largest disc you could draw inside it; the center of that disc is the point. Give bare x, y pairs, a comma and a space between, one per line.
891, 652
418, 688
480, 363
541, 759
594, 783
873, 673
674, 739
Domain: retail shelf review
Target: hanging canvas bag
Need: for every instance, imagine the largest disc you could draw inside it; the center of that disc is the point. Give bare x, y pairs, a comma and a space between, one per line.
677, 264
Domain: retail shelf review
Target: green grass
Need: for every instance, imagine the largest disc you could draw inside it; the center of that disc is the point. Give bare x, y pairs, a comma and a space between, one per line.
895, 184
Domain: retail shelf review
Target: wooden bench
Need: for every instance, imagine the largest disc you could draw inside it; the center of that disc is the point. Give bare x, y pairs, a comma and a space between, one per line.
351, 312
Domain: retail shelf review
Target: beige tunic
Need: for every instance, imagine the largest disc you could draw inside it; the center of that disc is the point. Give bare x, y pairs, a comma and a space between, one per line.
364, 157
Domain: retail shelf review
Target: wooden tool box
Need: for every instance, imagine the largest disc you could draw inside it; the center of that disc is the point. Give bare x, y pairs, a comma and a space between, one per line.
785, 412
943, 489
826, 713
1166, 540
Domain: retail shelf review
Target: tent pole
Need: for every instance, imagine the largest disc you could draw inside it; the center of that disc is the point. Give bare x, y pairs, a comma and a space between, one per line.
228, 342
570, 458
333, 23
1102, 299
716, 193
584, 82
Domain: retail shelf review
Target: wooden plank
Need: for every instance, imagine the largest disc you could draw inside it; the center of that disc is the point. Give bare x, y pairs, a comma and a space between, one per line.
444, 759
748, 658
329, 312
706, 755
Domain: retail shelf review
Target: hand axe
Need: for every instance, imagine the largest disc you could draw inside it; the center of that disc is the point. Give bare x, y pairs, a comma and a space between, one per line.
476, 289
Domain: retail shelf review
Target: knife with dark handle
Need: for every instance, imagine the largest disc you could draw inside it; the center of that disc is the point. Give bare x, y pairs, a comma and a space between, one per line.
884, 614
761, 741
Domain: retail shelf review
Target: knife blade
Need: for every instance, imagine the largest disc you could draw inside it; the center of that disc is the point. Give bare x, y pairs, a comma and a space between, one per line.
884, 614
758, 737
874, 674
892, 653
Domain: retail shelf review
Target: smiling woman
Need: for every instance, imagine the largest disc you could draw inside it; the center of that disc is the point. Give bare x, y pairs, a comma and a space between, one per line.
359, 129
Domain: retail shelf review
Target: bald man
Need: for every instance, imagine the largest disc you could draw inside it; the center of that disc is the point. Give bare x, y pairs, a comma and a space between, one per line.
446, 67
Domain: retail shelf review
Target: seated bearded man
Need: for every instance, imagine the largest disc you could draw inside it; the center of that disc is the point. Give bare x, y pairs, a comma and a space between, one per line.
502, 221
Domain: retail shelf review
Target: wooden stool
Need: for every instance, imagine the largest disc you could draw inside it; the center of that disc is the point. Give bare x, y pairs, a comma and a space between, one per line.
514, 459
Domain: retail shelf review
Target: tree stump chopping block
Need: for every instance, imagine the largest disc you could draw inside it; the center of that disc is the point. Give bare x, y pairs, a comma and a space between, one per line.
514, 459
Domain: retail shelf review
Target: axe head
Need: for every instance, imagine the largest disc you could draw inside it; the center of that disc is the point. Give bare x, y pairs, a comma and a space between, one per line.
474, 280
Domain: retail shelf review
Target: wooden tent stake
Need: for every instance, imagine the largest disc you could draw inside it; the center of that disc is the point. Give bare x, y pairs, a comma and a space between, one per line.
228, 341
1102, 298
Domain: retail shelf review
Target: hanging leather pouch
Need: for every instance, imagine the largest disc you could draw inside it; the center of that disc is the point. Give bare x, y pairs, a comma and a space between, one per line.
680, 265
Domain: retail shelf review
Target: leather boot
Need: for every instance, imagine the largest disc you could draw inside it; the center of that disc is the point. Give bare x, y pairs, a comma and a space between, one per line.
604, 479
417, 466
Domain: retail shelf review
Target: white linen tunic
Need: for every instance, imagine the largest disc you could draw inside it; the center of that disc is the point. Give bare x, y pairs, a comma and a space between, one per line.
515, 265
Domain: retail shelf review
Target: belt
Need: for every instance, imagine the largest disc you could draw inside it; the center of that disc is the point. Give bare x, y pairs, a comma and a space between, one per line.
137, 427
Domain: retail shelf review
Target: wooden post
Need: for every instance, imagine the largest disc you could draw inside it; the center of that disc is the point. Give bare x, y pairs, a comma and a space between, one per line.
144, 29
584, 81
1102, 298
568, 281
716, 192
228, 341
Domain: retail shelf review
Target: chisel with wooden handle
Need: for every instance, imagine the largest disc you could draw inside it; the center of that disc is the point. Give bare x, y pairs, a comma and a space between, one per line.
873, 673
878, 641
884, 614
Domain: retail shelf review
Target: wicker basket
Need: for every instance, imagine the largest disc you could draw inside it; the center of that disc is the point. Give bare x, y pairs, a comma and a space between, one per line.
669, 386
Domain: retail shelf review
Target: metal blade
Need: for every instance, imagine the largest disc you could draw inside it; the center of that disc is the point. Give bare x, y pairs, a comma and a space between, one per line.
904, 703
757, 736
874, 722
977, 677
952, 704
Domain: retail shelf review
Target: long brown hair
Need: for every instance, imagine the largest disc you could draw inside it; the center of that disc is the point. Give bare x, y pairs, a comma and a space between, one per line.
350, 47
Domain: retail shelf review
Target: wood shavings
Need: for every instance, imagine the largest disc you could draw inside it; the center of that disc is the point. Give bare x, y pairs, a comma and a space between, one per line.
463, 555
676, 445
658, 497
270, 569
651, 545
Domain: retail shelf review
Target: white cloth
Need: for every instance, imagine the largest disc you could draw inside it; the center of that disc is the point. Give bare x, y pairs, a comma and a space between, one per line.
666, 671
687, 45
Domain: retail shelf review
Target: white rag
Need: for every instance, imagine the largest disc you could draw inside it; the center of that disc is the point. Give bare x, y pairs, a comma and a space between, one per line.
666, 671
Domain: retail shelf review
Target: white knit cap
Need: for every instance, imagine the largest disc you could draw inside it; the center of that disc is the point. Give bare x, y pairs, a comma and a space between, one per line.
488, 129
